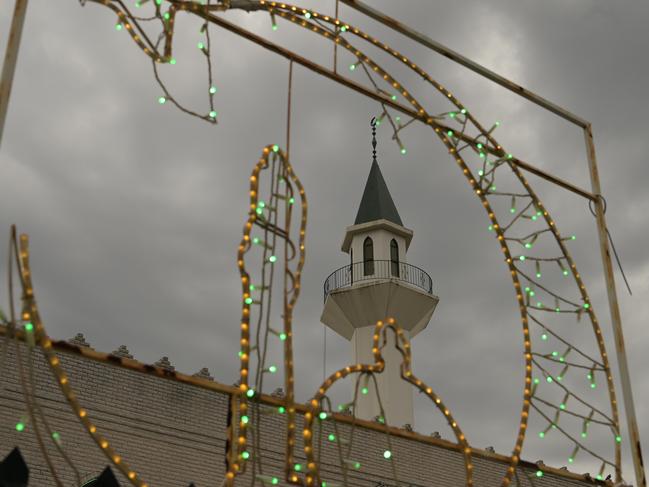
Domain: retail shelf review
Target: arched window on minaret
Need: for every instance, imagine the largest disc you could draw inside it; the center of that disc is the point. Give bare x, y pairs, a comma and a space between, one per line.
394, 258
368, 257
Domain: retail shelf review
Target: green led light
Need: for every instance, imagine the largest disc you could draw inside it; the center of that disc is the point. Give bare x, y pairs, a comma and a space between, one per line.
307, 15
557, 309
274, 480
451, 114
272, 369
584, 434
200, 45
490, 227
537, 380
245, 419
538, 275
497, 124
118, 27
598, 477
352, 67
463, 111
323, 484
240, 353
252, 287
29, 327
565, 272
297, 467
544, 336
570, 459
479, 146
593, 385
482, 155
449, 133
212, 90
573, 237
172, 60
403, 150
541, 434
539, 473
272, 259
513, 210
282, 336
212, 114
56, 436
586, 305
548, 379
357, 465
480, 172
250, 392
343, 28
559, 378
20, 426
275, 148
245, 455
167, 15
387, 454
394, 97
555, 353
281, 410
274, 26
618, 439
158, 2
248, 300
322, 415
589, 377
162, 100
562, 406
364, 390
331, 437
510, 156
522, 257
534, 218
398, 119
291, 200
532, 293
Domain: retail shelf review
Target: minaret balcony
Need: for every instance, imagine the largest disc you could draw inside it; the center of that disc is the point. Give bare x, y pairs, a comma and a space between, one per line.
377, 271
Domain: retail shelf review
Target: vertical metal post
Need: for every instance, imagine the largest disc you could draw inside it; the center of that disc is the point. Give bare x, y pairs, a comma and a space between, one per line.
616, 319
11, 56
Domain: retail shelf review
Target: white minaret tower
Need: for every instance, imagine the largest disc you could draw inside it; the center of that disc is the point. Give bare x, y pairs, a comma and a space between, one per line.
377, 284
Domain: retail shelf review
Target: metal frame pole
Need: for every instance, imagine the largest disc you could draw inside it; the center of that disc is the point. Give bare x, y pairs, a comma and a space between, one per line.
616, 318
11, 56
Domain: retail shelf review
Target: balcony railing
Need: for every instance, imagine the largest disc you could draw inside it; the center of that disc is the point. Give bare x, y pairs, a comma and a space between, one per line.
375, 270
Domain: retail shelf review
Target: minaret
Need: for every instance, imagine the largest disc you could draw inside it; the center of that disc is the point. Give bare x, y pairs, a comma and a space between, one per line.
377, 284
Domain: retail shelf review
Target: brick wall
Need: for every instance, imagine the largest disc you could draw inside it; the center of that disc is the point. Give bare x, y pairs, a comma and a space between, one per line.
174, 433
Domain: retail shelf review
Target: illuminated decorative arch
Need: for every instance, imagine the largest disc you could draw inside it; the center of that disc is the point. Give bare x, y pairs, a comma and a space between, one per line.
480, 158
403, 345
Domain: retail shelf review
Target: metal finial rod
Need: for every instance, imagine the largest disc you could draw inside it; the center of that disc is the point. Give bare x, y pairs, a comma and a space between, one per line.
373, 124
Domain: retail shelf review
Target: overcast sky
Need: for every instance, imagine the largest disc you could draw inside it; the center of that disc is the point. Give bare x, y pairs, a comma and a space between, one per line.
135, 210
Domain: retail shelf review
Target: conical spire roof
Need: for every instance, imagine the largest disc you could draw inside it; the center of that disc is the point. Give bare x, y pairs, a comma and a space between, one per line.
377, 203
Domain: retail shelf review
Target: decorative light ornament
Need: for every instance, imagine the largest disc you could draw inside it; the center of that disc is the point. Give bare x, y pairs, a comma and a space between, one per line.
212, 90
162, 100
245, 455
250, 392
387, 454
275, 148
272, 259
212, 114
20, 426
322, 415
118, 26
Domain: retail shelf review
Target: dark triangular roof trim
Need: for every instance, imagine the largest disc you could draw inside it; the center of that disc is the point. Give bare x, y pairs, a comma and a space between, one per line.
376, 203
